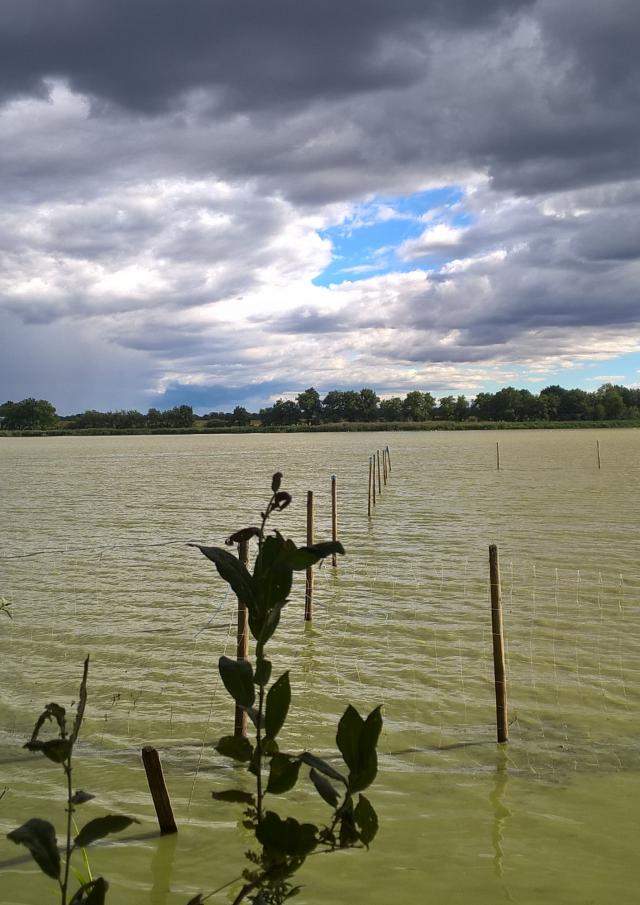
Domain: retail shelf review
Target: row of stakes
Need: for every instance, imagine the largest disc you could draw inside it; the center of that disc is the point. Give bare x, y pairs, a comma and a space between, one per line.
150, 757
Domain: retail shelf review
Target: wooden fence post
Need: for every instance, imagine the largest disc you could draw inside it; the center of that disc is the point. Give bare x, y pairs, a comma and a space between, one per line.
379, 480
308, 593
497, 633
334, 518
369, 490
158, 789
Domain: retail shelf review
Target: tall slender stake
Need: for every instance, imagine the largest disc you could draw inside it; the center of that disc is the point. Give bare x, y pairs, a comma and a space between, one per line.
384, 466
369, 490
498, 456
334, 518
389, 459
308, 592
242, 648
497, 632
379, 480
598, 450
373, 478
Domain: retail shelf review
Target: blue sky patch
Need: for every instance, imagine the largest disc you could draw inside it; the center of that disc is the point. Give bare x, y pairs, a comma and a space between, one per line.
366, 243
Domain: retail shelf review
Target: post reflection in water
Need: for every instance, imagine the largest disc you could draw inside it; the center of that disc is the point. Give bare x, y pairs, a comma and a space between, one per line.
162, 868
500, 815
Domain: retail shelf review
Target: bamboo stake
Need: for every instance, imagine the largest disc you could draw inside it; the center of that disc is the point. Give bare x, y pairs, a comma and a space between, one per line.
369, 490
158, 789
598, 450
242, 645
497, 632
498, 456
334, 518
308, 593
379, 481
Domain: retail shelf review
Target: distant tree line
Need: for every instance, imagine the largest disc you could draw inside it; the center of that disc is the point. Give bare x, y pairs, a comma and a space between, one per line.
554, 403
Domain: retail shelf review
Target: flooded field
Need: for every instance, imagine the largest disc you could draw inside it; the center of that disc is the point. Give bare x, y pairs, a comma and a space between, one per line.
94, 559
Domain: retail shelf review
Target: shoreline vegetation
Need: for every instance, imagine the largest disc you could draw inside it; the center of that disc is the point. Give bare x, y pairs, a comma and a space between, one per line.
611, 405
339, 427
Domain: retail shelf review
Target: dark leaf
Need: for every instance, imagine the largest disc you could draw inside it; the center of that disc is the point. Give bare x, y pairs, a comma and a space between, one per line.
51, 712
278, 701
39, 837
237, 676
80, 797
263, 628
324, 787
281, 500
234, 573
283, 774
276, 480
235, 796
367, 766
262, 673
304, 557
321, 765
236, 747
82, 702
196, 900
92, 893
366, 820
242, 535
101, 827
56, 749
286, 837
269, 747
348, 736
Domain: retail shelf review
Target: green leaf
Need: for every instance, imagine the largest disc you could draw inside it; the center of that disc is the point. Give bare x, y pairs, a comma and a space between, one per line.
286, 837
39, 836
101, 827
236, 747
237, 676
234, 572
324, 787
91, 893
283, 774
196, 900
348, 736
263, 626
278, 701
303, 557
262, 673
272, 573
321, 765
254, 716
236, 796
56, 749
366, 820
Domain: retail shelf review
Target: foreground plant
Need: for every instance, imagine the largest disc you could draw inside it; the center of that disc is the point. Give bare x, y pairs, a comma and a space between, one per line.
39, 836
283, 842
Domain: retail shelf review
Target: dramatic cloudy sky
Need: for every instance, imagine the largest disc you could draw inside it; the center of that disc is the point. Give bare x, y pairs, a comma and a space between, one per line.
226, 201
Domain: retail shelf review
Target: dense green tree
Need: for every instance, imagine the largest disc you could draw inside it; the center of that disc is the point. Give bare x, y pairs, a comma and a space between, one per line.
310, 405
419, 406
392, 409
461, 409
368, 405
241, 416
29, 414
446, 409
282, 412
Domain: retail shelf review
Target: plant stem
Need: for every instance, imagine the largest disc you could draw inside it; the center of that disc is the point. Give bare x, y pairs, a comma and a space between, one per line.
259, 793
65, 882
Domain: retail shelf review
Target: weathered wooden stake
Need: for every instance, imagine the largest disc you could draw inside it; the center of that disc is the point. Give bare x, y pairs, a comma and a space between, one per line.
308, 593
379, 480
389, 459
497, 632
369, 490
158, 789
598, 449
334, 518
384, 466
373, 478
498, 456
242, 649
